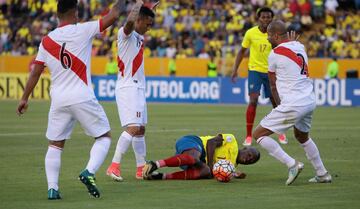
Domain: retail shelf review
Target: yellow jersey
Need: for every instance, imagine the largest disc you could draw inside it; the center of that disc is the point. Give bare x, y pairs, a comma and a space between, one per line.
260, 49
228, 150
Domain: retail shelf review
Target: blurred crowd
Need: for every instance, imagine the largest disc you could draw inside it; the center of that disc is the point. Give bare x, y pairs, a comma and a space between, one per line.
193, 28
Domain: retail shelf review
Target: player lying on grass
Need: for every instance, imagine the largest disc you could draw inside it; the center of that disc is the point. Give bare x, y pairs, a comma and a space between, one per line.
196, 155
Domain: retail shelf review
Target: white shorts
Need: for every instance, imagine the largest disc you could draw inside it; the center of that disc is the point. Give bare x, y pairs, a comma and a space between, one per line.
280, 119
90, 115
131, 103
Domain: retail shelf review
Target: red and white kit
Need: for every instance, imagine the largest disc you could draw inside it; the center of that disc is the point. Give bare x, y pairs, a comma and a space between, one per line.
290, 64
66, 51
130, 86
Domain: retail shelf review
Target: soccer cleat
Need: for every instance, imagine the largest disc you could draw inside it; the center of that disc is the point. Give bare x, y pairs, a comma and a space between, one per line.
139, 171
283, 139
155, 176
321, 179
294, 171
149, 167
114, 172
54, 194
88, 179
247, 142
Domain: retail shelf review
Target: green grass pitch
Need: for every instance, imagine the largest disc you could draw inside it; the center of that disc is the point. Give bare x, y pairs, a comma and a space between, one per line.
23, 146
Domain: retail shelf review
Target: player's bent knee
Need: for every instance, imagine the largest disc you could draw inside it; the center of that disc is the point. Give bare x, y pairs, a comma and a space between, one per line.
253, 99
253, 103
302, 137
58, 144
142, 130
256, 134
135, 130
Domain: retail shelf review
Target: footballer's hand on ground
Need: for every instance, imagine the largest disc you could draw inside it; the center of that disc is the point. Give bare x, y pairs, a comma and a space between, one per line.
22, 107
239, 175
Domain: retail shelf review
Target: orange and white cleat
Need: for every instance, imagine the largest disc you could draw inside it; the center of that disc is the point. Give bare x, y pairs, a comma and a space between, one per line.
283, 139
139, 174
247, 142
114, 171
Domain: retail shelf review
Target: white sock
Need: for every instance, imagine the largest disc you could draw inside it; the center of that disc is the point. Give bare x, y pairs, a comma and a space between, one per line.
313, 155
122, 146
275, 150
98, 154
52, 166
139, 147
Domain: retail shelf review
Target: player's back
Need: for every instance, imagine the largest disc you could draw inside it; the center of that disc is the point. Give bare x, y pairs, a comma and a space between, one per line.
66, 51
289, 61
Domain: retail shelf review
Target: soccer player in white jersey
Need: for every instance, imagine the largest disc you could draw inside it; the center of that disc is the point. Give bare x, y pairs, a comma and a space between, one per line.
66, 51
130, 88
294, 96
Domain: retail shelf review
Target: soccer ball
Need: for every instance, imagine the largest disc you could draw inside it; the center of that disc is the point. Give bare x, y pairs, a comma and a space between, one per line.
223, 170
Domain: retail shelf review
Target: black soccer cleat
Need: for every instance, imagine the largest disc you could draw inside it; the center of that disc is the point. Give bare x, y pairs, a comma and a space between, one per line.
148, 169
88, 179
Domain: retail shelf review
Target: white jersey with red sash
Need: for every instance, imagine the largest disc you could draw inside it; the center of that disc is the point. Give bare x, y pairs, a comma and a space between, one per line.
130, 60
66, 51
290, 64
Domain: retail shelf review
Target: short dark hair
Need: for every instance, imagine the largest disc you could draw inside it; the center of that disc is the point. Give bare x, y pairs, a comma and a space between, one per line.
264, 9
254, 152
146, 12
64, 6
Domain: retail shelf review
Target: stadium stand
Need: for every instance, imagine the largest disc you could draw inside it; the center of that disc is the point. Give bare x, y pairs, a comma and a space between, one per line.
193, 28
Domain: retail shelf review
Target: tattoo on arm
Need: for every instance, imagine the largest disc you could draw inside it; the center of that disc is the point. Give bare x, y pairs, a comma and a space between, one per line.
114, 14
134, 12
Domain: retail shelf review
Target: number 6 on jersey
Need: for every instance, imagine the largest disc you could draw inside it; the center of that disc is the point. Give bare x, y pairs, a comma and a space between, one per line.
65, 57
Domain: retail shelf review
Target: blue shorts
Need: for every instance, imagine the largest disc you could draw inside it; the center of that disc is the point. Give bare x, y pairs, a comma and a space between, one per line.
190, 142
255, 80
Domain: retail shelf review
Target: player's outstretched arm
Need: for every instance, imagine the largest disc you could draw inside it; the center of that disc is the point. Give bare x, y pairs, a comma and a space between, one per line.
130, 22
114, 14
30, 85
239, 58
